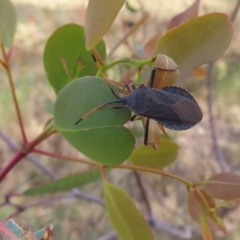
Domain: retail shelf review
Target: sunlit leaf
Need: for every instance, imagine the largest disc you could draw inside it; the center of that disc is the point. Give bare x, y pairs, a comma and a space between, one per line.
66, 58
99, 18
8, 22
225, 186
196, 42
190, 13
125, 217
66, 183
101, 136
146, 156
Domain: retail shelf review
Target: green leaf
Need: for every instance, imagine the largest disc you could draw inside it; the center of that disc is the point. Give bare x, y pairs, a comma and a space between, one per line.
99, 18
101, 136
125, 217
198, 41
66, 183
8, 22
66, 58
146, 156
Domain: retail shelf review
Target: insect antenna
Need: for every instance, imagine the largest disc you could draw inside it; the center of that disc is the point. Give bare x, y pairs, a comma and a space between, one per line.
104, 76
101, 106
90, 112
119, 100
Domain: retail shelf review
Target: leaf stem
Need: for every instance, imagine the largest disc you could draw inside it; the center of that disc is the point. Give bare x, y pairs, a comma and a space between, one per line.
102, 167
12, 88
137, 168
161, 172
133, 61
65, 157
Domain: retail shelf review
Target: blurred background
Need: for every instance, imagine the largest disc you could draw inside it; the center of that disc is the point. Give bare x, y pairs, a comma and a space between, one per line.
77, 218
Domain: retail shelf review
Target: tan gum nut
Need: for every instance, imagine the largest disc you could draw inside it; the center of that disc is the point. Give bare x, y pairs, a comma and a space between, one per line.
167, 71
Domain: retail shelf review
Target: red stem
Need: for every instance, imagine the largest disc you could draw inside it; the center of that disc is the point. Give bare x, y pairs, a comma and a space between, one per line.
9, 75
64, 157
25, 150
19, 155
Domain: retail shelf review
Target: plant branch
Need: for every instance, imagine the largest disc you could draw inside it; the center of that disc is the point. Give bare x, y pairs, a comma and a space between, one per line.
47, 201
143, 193
12, 88
161, 172
18, 156
235, 11
67, 158
29, 157
137, 168
178, 231
219, 155
209, 81
131, 31
137, 63
25, 150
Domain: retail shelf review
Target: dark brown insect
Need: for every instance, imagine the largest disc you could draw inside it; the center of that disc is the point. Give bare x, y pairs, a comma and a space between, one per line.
172, 107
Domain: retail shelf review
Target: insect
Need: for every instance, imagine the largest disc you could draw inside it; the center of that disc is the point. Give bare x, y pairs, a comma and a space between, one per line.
172, 107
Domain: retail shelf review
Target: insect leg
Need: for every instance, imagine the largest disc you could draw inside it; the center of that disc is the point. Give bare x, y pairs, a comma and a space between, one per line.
152, 79
133, 117
146, 132
134, 87
127, 87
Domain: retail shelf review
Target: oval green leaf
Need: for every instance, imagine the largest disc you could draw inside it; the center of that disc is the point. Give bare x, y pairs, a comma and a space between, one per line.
101, 136
196, 42
99, 18
66, 58
146, 156
8, 22
125, 217
66, 183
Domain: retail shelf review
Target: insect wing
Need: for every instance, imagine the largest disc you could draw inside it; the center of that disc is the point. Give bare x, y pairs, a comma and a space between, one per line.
172, 107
